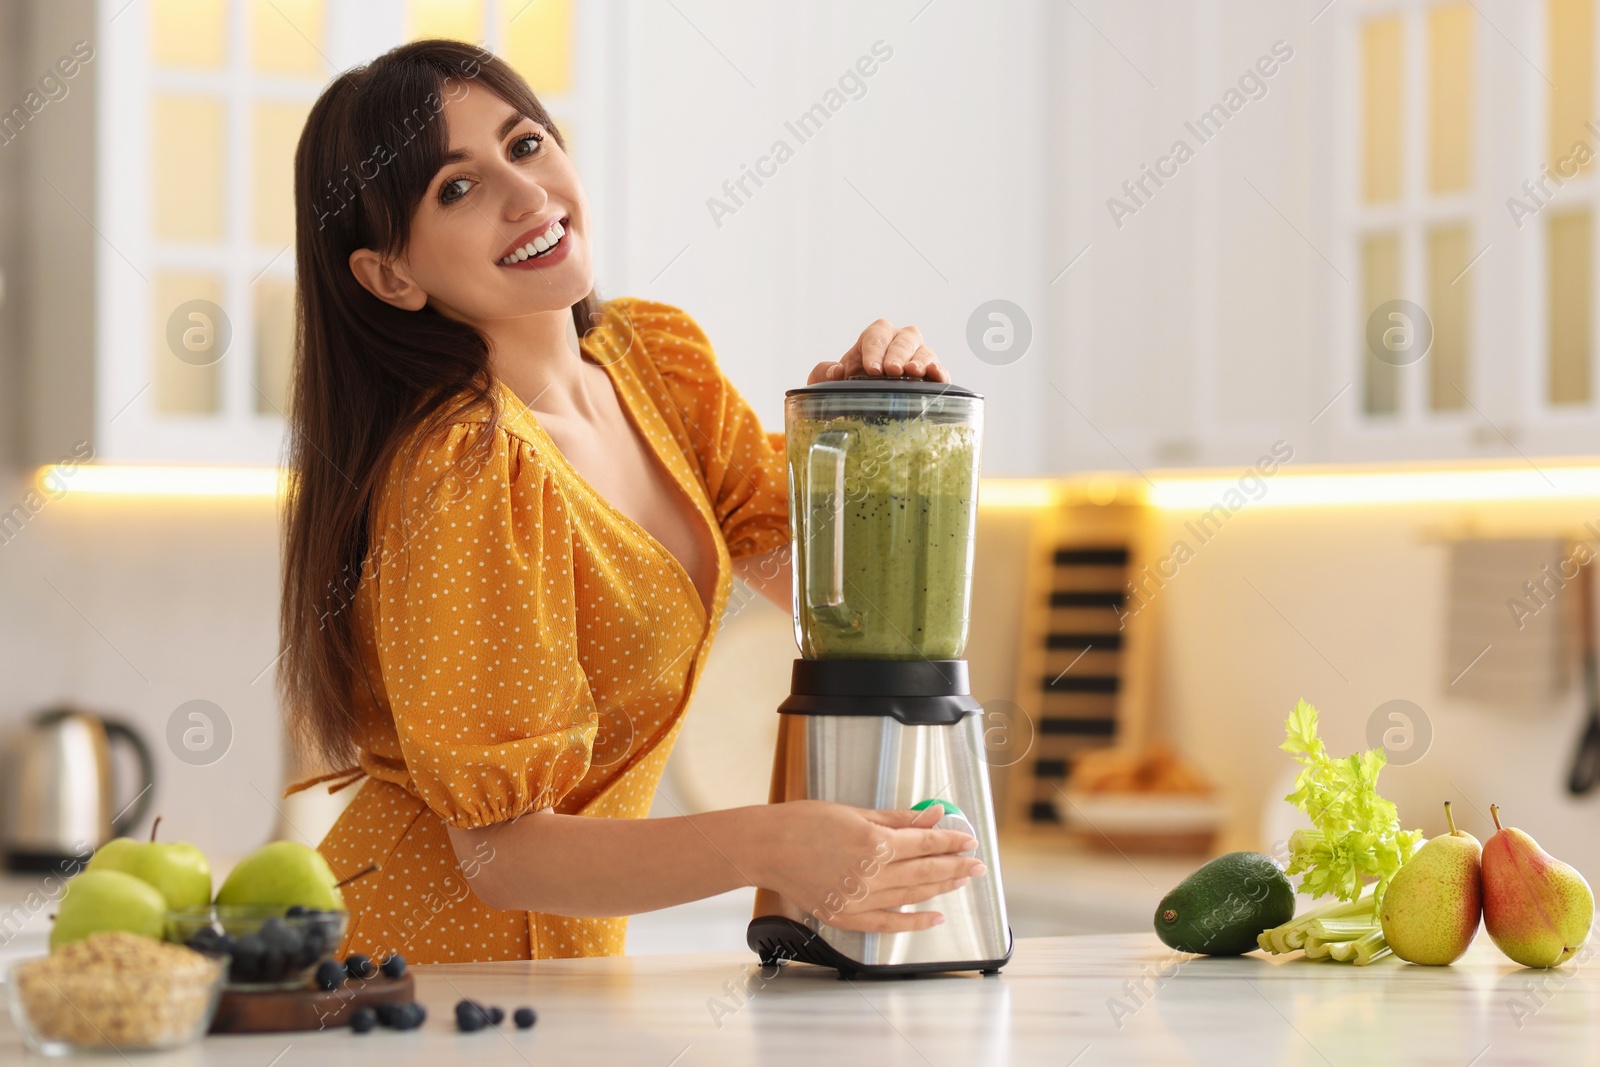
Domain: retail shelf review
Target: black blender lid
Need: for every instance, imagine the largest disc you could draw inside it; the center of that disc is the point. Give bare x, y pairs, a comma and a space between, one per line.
879, 383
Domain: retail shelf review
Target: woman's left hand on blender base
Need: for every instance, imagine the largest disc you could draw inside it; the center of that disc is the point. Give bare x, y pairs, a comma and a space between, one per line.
884, 348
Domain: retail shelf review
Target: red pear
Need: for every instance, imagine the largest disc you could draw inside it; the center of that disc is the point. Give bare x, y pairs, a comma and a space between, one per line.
1536, 908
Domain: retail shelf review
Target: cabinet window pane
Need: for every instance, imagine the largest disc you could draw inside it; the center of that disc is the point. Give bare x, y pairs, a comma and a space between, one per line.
184, 384
1570, 252
538, 43
1448, 292
274, 344
188, 164
276, 128
189, 33
1571, 27
1450, 67
286, 36
460, 20
1382, 150
1380, 279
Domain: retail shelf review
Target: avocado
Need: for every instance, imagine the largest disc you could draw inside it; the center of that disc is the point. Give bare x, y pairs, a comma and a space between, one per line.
1220, 908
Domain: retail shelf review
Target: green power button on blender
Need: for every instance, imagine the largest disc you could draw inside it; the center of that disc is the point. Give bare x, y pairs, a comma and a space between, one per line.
952, 819
945, 804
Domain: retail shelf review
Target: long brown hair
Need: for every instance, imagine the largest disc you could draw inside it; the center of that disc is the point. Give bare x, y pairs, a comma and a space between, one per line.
368, 377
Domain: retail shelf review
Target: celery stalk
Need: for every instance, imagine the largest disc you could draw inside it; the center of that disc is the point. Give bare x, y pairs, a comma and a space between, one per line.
1343, 951
1292, 934
1318, 949
1370, 947
1340, 929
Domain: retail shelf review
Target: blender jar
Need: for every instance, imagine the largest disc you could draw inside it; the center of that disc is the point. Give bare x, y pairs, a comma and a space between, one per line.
883, 488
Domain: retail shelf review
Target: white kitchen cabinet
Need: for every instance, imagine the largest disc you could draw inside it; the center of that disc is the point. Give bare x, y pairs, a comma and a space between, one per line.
1227, 308
911, 186
164, 177
1216, 310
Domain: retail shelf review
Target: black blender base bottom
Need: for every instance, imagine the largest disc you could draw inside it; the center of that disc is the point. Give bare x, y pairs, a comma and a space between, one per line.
778, 938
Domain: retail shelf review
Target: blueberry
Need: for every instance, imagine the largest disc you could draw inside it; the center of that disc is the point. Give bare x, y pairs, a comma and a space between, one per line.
418, 1012
363, 1019
470, 1015
358, 966
294, 911
394, 966
276, 934
497, 1015
388, 1011
330, 975
248, 952
525, 1018
207, 939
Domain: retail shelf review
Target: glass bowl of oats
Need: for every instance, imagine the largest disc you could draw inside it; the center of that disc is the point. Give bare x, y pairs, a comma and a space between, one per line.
114, 992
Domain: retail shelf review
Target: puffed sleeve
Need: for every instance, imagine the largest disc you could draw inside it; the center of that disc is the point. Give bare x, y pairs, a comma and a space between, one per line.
743, 467
475, 628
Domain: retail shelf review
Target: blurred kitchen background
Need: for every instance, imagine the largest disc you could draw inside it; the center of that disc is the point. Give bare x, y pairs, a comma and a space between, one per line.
1284, 313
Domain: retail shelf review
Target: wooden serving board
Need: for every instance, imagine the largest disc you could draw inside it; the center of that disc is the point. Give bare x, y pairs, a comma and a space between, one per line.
244, 1012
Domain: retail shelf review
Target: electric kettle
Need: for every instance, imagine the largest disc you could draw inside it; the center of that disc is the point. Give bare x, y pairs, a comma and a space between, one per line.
57, 801
883, 487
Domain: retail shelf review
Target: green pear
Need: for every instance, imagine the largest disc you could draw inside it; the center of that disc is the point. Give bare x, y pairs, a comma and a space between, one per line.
178, 869
1432, 906
283, 873
108, 900
1536, 908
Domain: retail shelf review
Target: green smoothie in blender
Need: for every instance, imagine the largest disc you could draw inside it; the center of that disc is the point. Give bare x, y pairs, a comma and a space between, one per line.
882, 507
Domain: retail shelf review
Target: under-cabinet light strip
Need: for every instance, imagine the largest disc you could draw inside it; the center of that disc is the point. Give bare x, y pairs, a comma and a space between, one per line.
139, 479
1173, 492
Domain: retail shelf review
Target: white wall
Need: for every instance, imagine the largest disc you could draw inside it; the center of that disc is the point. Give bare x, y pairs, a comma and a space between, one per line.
131, 607
1348, 612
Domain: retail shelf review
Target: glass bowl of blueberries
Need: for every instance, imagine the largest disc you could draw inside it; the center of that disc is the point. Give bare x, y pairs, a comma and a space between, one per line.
267, 946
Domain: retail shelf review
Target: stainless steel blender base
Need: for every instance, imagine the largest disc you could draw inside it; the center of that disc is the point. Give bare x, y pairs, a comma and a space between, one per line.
872, 760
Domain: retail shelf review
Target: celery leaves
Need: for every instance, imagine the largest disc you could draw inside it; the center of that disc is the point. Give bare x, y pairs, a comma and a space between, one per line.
1357, 840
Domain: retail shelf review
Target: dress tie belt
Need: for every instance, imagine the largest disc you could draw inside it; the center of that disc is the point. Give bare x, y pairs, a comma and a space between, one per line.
348, 776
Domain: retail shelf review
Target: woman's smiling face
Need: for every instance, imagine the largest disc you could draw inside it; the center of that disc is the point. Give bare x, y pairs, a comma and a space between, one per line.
505, 183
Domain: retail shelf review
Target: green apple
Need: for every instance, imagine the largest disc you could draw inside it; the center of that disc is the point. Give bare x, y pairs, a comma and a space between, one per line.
283, 873
179, 870
108, 900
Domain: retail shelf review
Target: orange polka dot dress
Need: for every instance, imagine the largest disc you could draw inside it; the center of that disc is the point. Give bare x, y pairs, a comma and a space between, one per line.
527, 645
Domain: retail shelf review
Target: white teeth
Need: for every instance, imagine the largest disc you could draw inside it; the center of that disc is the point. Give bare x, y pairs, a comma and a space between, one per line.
539, 245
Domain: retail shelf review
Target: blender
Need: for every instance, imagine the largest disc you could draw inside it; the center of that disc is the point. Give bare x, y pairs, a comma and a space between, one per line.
883, 487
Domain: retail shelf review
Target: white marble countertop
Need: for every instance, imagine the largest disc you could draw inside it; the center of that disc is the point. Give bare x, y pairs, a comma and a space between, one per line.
1080, 1001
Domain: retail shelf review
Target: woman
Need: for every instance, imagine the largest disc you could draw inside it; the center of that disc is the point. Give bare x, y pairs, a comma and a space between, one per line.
506, 554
